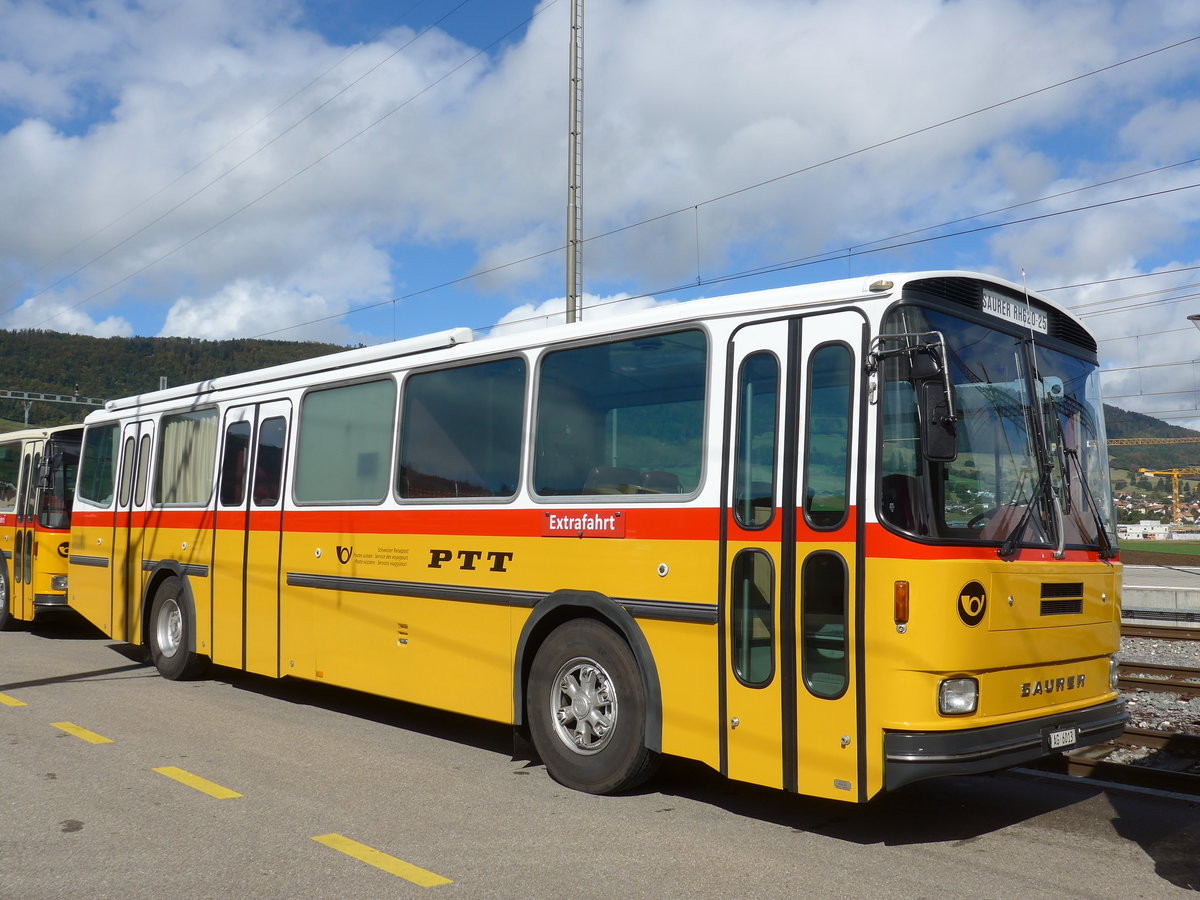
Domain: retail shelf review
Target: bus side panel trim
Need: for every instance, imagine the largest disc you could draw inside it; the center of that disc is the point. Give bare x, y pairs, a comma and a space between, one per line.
698, 613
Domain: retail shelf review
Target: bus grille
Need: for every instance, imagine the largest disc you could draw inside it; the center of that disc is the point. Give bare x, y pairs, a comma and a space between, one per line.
1051, 590
1062, 607
1062, 598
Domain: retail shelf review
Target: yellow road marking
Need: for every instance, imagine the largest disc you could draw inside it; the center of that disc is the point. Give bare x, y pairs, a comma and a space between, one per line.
381, 860
82, 733
10, 701
195, 781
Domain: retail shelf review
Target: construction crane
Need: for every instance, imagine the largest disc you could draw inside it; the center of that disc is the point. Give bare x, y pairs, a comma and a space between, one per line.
1135, 442
1174, 475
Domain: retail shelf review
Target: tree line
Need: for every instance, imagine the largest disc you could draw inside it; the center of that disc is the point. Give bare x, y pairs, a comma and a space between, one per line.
50, 362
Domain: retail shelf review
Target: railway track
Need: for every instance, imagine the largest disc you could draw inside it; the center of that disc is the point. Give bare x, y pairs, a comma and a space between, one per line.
1161, 632
1139, 676
1171, 764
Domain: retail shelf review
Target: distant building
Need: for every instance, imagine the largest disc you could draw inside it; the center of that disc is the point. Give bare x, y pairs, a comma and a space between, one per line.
1145, 530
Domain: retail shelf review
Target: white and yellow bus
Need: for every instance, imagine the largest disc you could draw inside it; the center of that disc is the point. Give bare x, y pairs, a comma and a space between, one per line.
832, 539
37, 482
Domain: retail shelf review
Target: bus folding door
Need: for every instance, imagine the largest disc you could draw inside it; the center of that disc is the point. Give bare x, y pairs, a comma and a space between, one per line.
246, 543
789, 707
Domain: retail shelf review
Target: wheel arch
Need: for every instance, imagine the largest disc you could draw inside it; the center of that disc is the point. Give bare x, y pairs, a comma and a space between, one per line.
564, 606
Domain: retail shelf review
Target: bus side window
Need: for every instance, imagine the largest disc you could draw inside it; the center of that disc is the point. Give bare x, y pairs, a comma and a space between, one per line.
143, 471
187, 455
344, 443
268, 461
623, 417
754, 467
823, 605
234, 462
752, 618
10, 467
827, 436
460, 431
97, 465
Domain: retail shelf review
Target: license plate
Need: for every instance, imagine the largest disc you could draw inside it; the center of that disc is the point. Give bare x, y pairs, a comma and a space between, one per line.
1064, 738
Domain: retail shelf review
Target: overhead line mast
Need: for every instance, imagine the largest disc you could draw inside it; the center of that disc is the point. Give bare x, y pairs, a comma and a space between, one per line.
575, 168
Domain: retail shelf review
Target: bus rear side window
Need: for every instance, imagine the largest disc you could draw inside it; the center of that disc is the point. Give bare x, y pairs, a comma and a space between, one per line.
345, 443
97, 467
622, 418
460, 432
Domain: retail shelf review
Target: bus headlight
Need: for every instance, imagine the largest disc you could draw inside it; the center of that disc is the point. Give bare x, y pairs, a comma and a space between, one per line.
958, 696
1114, 672
58, 583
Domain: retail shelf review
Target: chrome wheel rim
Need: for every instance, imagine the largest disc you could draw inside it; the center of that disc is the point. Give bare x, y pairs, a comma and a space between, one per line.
583, 706
168, 631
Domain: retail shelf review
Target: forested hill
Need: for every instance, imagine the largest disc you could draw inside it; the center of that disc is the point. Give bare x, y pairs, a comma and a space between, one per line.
54, 363
1124, 424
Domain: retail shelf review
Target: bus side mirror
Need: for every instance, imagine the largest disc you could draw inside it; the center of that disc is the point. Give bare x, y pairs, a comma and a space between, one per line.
44, 482
939, 429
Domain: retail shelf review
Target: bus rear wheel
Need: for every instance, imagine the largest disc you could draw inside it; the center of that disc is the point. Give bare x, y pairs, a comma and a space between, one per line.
172, 632
587, 710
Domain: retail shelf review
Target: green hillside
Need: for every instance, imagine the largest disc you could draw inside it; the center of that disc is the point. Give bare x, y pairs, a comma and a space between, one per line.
53, 363
1124, 424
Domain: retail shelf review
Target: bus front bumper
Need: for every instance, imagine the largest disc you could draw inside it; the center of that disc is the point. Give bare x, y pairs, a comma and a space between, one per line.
49, 601
913, 756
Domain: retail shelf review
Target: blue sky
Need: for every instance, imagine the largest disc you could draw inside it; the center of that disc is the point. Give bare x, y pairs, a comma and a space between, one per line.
338, 170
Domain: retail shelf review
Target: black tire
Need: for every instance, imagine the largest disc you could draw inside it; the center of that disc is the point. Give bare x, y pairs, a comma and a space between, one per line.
172, 632
597, 743
8, 621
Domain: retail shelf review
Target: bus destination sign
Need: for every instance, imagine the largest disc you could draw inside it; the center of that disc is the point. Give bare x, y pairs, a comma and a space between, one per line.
1015, 311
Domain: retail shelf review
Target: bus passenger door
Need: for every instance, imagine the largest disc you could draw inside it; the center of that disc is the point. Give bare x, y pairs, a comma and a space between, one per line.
22, 590
133, 478
754, 680
830, 760
245, 574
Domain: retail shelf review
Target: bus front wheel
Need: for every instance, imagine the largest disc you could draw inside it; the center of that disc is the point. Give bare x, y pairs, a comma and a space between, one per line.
172, 631
587, 709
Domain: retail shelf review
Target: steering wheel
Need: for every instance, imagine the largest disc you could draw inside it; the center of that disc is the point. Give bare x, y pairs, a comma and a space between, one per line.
980, 520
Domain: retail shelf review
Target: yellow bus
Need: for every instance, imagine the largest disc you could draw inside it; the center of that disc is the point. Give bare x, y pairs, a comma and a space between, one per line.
832, 538
37, 482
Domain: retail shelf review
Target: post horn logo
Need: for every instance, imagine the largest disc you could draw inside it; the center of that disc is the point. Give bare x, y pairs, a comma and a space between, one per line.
344, 554
972, 603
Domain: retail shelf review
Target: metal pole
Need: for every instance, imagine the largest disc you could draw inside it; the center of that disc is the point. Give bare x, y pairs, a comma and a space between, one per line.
575, 168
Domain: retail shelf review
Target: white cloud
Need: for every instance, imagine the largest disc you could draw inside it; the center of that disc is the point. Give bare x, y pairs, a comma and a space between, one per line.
246, 307
534, 316
66, 316
158, 183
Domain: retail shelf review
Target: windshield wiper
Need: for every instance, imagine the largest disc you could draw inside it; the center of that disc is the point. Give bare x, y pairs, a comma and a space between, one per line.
1107, 550
1009, 547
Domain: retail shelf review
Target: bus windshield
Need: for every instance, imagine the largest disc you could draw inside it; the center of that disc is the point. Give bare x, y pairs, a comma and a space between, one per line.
1030, 461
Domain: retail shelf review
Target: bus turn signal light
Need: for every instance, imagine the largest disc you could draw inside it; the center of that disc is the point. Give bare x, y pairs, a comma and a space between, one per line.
900, 602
